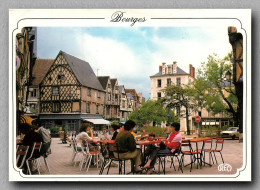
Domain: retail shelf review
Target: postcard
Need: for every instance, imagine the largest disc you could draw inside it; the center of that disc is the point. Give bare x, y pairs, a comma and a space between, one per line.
130, 95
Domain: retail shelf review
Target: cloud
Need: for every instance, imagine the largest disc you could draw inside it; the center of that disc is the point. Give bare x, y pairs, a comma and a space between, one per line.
115, 59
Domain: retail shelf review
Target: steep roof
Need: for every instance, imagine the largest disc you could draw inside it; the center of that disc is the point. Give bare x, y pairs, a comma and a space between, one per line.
131, 91
179, 72
113, 82
103, 81
121, 87
40, 69
128, 95
83, 72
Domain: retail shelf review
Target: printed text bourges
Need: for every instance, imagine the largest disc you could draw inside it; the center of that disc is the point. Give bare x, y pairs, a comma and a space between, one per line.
119, 17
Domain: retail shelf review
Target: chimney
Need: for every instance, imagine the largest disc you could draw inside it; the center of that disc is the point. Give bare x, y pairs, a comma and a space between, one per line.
160, 68
175, 67
191, 70
163, 68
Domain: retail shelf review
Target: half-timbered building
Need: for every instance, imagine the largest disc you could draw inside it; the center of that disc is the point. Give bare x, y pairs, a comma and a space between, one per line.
70, 94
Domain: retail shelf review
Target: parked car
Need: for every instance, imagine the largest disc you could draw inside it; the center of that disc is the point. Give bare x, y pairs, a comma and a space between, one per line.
230, 132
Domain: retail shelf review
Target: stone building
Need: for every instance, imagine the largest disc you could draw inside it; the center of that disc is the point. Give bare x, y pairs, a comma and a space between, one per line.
167, 75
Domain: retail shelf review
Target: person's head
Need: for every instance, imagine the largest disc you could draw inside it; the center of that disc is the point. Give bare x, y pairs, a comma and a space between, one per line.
129, 125
175, 127
115, 127
84, 127
151, 137
36, 124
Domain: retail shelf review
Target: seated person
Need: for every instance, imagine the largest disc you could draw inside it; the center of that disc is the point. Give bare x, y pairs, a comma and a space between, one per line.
115, 129
84, 136
46, 136
151, 149
127, 145
172, 144
29, 139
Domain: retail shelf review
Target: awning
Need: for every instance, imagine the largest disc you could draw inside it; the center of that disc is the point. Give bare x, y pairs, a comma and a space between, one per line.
98, 121
26, 119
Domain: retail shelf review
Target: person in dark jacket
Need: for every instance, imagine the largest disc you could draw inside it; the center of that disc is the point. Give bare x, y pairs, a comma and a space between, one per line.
127, 145
115, 129
29, 139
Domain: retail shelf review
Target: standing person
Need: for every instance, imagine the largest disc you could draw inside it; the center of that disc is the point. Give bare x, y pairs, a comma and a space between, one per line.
127, 145
46, 136
172, 144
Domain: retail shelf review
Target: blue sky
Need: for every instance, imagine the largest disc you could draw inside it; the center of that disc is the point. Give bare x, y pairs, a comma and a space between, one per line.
132, 54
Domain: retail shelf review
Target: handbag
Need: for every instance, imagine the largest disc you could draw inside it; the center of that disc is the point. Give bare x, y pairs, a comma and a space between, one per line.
162, 145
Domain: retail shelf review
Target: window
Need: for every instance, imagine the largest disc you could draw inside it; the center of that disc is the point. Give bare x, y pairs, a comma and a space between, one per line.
56, 107
88, 108
71, 125
55, 90
48, 124
97, 109
169, 82
32, 107
178, 81
123, 104
60, 76
159, 83
33, 93
89, 92
159, 94
109, 97
98, 94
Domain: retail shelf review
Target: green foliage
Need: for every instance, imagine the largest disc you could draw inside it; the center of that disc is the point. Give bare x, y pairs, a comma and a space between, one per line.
211, 83
158, 131
150, 111
178, 96
54, 129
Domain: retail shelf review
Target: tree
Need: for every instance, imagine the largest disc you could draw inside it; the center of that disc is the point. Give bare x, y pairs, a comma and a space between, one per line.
211, 82
178, 96
150, 112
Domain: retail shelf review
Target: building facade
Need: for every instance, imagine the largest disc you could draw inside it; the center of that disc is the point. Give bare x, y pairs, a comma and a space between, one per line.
167, 75
70, 93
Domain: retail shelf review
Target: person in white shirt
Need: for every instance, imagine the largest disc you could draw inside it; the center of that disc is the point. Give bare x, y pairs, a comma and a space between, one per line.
86, 134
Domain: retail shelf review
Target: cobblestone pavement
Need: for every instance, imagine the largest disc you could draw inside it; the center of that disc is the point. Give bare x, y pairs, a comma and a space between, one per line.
60, 162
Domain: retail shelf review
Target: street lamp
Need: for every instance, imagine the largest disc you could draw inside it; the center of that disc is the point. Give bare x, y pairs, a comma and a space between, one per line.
228, 76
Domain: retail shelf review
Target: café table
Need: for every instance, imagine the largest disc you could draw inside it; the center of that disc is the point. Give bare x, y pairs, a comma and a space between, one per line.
144, 143
199, 152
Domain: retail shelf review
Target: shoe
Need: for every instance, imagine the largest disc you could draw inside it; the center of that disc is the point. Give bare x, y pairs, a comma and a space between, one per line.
149, 172
145, 167
138, 169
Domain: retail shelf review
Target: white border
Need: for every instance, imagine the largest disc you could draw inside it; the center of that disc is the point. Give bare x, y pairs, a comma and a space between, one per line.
241, 18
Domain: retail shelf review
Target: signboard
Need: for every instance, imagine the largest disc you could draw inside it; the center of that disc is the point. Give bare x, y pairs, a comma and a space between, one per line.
197, 119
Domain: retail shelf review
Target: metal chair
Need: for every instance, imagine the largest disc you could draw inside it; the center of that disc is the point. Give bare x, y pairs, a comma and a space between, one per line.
34, 157
75, 151
21, 154
207, 149
195, 155
114, 147
88, 155
105, 154
218, 148
163, 156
